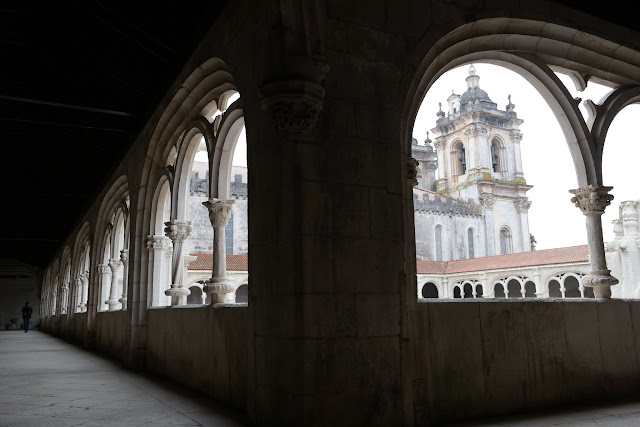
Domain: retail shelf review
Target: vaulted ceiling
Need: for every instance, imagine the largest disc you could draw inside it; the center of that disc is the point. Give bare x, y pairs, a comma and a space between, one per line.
77, 85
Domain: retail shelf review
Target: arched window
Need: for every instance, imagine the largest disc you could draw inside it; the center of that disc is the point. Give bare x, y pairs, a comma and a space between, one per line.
498, 290
496, 156
514, 289
506, 246
429, 290
456, 292
554, 289
530, 290
438, 237
242, 294
468, 290
458, 159
470, 243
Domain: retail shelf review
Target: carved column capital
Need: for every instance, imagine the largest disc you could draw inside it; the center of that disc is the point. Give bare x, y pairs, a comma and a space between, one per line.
294, 105
487, 200
178, 230
522, 204
158, 242
219, 211
114, 265
412, 171
592, 199
440, 143
124, 256
104, 268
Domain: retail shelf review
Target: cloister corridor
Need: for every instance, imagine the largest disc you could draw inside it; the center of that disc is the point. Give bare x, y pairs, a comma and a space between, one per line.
45, 381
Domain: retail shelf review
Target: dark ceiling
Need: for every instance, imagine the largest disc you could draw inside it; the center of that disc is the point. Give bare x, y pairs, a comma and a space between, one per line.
77, 85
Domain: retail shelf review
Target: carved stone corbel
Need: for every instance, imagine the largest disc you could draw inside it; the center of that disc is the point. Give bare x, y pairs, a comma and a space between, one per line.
294, 105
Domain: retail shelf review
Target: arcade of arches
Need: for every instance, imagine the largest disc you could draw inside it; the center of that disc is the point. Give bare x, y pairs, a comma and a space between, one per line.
332, 328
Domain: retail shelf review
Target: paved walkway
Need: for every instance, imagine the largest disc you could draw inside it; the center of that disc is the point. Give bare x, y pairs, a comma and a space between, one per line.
46, 382
625, 413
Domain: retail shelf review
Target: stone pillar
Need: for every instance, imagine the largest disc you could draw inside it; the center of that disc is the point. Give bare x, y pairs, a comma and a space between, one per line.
516, 137
536, 280
103, 271
592, 201
522, 205
487, 201
64, 297
441, 184
159, 247
218, 286
124, 258
629, 250
178, 231
84, 290
112, 302
78, 292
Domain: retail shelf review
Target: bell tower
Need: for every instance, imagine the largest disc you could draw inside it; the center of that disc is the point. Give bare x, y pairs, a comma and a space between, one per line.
478, 151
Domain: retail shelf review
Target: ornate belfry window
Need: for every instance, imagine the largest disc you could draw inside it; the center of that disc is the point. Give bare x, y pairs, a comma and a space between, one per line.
470, 243
506, 245
458, 159
438, 238
496, 156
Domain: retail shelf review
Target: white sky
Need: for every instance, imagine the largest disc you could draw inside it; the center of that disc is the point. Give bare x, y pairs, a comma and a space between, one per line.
547, 164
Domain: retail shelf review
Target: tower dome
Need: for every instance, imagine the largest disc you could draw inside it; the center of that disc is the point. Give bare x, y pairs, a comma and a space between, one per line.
474, 95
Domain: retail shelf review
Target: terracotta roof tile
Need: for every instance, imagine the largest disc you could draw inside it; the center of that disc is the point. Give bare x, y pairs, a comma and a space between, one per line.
205, 262
522, 259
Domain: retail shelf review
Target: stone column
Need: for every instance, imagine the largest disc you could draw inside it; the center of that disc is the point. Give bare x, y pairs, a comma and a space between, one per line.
159, 247
218, 286
124, 258
178, 231
64, 297
84, 290
522, 205
487, 201
629, 250
103, 271
78, 287
536, 280
441, 184
592, 201
112, 302
516, 137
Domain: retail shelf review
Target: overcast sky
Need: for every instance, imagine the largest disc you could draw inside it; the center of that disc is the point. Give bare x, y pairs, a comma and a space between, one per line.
546, 161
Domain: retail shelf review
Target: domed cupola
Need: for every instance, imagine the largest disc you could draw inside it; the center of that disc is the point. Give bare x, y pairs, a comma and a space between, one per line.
474, 96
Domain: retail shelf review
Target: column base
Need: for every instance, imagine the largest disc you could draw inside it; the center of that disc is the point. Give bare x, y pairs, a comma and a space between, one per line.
123, 301
601, 282
218, 288
112, 303
177, 292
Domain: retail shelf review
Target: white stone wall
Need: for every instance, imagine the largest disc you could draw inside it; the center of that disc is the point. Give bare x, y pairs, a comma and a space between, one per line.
454, 235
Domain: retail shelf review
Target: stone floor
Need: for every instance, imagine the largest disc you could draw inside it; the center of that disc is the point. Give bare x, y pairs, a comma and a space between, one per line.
625, 413
46, 382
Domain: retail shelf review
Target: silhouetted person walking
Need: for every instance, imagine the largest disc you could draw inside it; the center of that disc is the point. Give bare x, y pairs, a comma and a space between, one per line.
26, 316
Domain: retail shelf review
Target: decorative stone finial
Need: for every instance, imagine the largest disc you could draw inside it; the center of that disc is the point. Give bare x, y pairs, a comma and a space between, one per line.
440, 113
510, 106
472, 70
